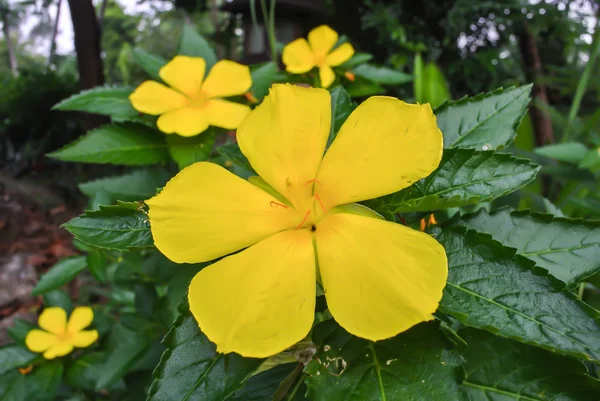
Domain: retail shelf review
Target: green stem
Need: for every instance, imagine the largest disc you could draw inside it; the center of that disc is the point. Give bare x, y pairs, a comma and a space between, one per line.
269, 19
253, 14
583, 82
296, 387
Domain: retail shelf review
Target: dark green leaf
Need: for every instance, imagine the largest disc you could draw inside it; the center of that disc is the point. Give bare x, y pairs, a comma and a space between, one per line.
264, 385
85, 370
491, 288
13, 386
232, 152
43, 382
186, 151
464, 177
120, 227
58, 298
485, 121
107, 101
381, 75
60, 274
127, 144
15, 356
362, 88
501, 369
194, 45
97, 263
356, 59
191, 369
19, 330
571, 152
568, 248
138, 185
149, 62
263, 77
413, 366
341, 107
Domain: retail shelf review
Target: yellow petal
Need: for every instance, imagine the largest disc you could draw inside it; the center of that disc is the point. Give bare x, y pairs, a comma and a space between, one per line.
154, 98
260, 301
225, 114
326, 75
385, 145
84, 338
322, 39
340, 55
298, 57
39, 340
184, 74
53, 320
60, 349
227, 78
284, 138
188, 121
80, 318
205, 212
380, 278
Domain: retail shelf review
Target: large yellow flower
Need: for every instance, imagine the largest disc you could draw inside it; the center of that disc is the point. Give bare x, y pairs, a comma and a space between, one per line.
61, 336
301, 56
193, 104
379, 278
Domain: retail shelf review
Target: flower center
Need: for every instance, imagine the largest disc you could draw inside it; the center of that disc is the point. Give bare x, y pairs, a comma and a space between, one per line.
315, 211
320, 60
64, 336
198, 99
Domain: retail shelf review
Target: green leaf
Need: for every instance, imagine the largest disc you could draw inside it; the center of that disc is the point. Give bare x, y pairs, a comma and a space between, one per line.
568, 248
122, 227
232, 152
263, 76
43, 382
356, 59
97, 263
418, 79
58, 298
194, 45
464, 177
126, 144
381, 75
591, 159
415, 365
191, 369
186, 151
571, 152
491, 288
363, 88
139, 185
15, 356
149, 62
107, 101
341, 107
485, 121
60, 274
19, 330
435, 87
501, 369
263, 386
84, 371
13, 386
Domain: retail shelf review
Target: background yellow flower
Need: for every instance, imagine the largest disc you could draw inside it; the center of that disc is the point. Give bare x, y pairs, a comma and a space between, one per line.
60, 336
301, 56
192, 103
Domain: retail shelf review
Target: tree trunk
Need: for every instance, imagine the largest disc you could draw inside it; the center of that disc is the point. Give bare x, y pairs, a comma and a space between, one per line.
532, 64
52, 52
102, 13
10, 46
87, 46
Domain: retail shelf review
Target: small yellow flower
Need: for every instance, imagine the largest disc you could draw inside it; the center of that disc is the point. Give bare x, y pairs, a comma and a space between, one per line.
300, 222
194, 103
301, 56
59, 336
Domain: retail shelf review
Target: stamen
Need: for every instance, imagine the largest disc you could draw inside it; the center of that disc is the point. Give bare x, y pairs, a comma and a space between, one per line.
275, 204
423, 225
432, 221
303, 220
320, 203
309, 181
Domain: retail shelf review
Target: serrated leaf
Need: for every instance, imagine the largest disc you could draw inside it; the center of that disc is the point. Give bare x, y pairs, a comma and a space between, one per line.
139, 185
60, 274
126, 144
122, 227
381, 75
341, 107
191, 369
413, 366
491, 288
501, 369
464, 177
194, 45
15, 356
571, 152
107, 101
263, 386
485, 121
186, 151
149, 62
263, 76
568, 248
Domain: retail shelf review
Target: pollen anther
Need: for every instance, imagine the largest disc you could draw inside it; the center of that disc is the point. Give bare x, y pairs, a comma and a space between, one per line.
304, 219
275, 204
309, 181
320, 203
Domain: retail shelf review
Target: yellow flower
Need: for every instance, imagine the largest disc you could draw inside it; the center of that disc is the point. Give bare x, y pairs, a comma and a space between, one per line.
59, 336
301, 56
380, 278
194, 103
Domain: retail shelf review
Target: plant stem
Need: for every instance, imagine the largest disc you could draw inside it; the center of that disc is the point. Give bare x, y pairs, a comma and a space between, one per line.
269, 20
583, 82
